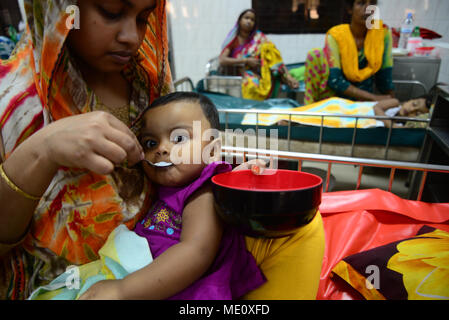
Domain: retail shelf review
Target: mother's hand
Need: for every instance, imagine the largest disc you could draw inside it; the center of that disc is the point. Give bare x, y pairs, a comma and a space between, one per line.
95, 141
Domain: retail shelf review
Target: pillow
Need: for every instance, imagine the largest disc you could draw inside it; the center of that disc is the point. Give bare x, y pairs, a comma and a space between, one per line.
411, 269
414, 124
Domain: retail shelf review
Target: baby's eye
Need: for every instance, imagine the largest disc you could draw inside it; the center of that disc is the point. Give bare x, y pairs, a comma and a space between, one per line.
150, 144
180, 139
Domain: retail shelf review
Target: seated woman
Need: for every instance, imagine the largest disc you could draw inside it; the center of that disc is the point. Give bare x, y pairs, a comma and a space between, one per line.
256, 58
355, 59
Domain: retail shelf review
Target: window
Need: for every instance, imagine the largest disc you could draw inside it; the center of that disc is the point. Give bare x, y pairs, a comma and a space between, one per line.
299, 16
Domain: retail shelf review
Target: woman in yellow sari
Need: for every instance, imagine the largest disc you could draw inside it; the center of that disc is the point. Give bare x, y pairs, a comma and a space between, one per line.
355, 59
70, 104
257, 59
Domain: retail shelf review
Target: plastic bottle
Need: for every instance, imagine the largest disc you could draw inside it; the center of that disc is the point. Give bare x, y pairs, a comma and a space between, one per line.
415, 41
406, 31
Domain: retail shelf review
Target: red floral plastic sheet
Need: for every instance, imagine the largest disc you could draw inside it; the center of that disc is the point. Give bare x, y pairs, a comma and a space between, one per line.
357, 221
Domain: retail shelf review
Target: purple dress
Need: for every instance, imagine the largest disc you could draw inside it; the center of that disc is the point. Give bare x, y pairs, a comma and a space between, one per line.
234, 271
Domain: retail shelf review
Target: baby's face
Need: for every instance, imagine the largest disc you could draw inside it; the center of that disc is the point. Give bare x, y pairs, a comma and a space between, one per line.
172, 139
414, 108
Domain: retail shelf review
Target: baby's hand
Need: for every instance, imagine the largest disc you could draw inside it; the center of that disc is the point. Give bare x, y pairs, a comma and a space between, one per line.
103, 290
257, 166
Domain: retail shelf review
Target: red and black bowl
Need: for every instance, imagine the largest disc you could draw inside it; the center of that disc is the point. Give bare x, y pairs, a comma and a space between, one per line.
270, 206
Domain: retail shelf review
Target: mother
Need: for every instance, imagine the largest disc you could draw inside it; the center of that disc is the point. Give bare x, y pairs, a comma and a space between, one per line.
59, 147
70, 101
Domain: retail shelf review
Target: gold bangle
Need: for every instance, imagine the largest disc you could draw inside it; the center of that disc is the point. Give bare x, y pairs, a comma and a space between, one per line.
14, 187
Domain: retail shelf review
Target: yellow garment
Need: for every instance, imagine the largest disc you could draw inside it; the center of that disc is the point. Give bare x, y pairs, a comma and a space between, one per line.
374, 50
256, 88
292, 265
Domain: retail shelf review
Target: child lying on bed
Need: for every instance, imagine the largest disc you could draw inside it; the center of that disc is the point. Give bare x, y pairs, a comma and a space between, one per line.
415, 108
194, 256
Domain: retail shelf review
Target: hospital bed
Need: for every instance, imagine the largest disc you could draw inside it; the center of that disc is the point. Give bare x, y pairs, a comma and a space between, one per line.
364, 228
402, 144
412, 77
384, 143
372, 234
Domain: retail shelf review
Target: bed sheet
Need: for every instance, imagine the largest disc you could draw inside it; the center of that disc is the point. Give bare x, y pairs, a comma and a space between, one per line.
356, 221
402, 137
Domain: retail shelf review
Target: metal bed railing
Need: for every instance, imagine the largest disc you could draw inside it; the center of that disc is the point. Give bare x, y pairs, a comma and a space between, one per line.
412, 82
226, 112
180, 84
247, 153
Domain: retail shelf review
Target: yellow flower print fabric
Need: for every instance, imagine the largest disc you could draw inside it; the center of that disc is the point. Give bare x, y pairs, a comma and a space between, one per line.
411, 269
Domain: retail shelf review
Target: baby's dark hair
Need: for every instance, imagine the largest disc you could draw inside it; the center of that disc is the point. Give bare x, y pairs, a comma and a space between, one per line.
430, 96
429, 99
207, 106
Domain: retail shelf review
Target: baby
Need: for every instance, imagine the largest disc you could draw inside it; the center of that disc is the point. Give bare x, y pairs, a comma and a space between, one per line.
195, 255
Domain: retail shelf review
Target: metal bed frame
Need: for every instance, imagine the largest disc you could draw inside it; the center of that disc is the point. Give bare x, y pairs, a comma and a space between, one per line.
323, 116
249, 153
181, 83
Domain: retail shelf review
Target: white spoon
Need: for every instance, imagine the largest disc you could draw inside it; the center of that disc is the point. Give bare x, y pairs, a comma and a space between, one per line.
161, 164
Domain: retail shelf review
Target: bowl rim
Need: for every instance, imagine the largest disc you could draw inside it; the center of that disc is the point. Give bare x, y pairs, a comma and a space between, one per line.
319, 184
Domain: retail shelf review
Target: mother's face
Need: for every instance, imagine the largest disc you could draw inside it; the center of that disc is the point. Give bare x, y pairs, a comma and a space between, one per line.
111, 32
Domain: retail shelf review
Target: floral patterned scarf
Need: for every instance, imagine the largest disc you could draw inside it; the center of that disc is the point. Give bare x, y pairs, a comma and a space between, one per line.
40, 84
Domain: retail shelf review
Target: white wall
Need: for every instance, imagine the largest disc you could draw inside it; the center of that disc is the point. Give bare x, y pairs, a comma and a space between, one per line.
200, 26
430, 14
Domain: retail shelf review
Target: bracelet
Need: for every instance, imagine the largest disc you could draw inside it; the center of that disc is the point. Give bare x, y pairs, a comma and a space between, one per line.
14, 187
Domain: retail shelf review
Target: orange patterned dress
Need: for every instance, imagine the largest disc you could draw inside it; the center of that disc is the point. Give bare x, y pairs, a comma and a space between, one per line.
40, 84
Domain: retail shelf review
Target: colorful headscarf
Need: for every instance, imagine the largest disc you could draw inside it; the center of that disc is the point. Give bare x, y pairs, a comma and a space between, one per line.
40, 84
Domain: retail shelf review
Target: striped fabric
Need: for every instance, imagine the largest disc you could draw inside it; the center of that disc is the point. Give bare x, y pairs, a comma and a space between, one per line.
329, 106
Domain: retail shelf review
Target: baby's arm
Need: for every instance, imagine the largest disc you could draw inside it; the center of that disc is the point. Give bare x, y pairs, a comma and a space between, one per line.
185, 262
384, 105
